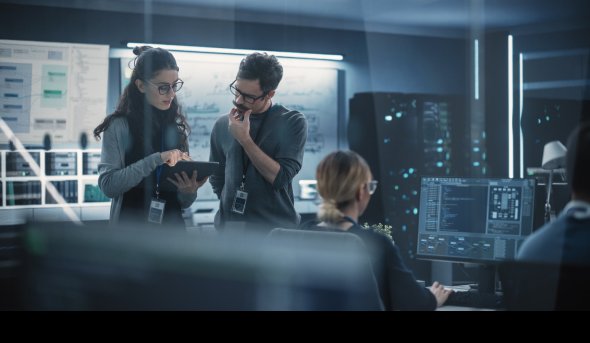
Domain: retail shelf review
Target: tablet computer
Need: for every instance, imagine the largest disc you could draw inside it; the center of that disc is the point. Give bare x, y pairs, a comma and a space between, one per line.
203, 169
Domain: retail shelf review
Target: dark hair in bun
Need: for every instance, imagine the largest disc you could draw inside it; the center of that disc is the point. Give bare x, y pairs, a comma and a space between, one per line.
148, 62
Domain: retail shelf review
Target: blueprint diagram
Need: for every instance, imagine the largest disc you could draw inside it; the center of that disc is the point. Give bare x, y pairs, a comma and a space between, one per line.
205, 97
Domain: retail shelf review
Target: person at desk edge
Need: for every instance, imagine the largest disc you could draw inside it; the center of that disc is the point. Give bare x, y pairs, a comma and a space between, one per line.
566, 240
344, 182
259, 146
146, 131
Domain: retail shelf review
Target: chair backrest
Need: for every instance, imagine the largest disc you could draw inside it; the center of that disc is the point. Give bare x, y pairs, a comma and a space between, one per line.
95, 268
314, 270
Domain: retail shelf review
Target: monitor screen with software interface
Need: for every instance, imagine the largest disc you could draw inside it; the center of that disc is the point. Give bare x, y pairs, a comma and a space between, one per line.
474, 220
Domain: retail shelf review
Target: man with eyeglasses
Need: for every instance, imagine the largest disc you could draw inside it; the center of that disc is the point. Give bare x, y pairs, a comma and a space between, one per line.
259, 146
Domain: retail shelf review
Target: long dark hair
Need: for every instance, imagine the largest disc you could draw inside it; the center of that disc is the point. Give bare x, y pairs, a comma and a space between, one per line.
147, 63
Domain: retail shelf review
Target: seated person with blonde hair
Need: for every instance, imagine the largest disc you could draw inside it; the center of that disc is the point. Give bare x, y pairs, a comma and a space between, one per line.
344, 181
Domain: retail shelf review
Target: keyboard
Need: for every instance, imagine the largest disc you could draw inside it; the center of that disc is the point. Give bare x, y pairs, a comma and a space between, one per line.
473, 298
459, 288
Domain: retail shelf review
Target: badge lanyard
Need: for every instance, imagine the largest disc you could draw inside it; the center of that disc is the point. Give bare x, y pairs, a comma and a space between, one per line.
159, 169
239, 205
157, 205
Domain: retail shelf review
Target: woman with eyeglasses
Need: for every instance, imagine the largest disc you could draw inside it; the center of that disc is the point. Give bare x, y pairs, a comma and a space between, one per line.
146, 131
345, 184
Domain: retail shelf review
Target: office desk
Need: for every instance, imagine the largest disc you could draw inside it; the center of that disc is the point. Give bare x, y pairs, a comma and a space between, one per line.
463, 308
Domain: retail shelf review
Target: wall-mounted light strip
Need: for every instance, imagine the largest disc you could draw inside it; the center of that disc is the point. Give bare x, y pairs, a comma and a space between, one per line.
520, 103
476, 68
510, 112
239, 51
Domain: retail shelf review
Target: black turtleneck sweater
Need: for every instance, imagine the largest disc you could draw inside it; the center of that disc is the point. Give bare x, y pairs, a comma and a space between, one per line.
153, 131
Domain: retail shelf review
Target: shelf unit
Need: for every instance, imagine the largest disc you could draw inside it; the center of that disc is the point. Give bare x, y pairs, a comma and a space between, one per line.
73, 172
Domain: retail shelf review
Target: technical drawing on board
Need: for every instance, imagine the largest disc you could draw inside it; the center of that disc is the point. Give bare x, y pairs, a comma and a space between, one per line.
52, 88
205, 97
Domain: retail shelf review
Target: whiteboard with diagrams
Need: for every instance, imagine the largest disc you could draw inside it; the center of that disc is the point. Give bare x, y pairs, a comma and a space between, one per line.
205, 97
52, 88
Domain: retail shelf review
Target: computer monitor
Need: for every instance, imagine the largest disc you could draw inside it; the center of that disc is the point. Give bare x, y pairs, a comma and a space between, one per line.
474, 220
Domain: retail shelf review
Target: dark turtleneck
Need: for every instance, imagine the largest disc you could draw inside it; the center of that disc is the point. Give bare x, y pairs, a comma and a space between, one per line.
150, 132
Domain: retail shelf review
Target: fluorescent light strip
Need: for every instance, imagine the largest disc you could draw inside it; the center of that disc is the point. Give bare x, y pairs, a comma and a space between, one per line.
510, 112
530, 86
556, 53
476, 68
521, 100
239, 51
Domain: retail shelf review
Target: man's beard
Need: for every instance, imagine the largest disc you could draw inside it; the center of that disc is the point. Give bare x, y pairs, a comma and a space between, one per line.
241, 108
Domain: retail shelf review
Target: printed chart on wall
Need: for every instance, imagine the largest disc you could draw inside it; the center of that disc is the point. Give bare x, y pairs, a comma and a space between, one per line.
205, 97
52, 88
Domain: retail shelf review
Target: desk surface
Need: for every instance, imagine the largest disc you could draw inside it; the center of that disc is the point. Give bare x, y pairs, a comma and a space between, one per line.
463, 308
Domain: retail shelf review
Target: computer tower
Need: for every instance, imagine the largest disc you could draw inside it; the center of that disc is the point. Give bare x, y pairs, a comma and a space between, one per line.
404, 137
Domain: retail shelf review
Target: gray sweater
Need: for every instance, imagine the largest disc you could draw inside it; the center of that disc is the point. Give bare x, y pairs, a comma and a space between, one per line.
115, 179
268, 206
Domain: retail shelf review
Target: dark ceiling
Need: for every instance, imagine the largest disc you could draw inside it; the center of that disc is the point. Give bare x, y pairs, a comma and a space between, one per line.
422, 17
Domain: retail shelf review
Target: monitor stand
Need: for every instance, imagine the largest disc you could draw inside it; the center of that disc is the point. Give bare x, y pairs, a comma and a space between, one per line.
442, 271
486, 278
484, 275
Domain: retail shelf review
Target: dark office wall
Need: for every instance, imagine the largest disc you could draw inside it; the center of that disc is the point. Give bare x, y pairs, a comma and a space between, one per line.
576, 67
373, 62
564, 67
496, 103
558, 40
552, 69
552, 113
413, 64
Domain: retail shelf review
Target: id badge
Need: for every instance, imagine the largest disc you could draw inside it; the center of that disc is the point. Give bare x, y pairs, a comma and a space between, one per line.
239, 205
156, 212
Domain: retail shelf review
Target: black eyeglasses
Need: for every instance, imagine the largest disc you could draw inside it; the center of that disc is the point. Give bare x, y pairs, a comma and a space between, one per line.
165, 89
247, 97
372, 186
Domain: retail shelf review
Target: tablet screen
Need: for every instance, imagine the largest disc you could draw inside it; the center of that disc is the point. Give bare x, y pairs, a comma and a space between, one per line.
203, 169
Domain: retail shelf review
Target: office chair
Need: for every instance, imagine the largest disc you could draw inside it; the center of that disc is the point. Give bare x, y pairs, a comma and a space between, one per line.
90, 268
313, 270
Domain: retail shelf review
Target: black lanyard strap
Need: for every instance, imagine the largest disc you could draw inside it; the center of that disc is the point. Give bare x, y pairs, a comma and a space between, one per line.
160, 167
